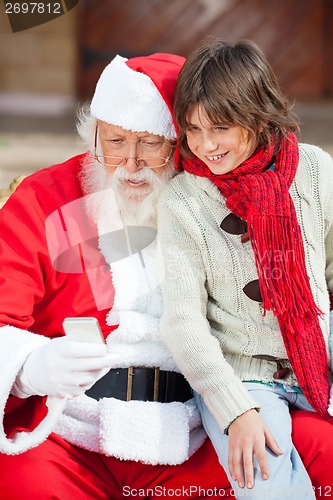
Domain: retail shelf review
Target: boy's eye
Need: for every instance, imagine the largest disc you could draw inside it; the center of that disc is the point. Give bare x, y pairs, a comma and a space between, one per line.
192, 128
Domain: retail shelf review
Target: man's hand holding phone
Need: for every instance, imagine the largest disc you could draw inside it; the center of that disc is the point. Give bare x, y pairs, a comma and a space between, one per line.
66, 367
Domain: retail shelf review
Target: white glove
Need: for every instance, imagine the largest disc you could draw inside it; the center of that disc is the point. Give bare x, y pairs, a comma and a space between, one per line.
62, 368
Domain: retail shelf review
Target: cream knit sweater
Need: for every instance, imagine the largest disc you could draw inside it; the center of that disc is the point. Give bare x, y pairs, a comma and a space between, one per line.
209, 324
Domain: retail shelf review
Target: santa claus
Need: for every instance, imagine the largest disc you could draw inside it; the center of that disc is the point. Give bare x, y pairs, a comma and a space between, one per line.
78, 239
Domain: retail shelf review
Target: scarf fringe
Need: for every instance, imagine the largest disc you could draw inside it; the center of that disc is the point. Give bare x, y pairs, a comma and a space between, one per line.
286, 291
284, 282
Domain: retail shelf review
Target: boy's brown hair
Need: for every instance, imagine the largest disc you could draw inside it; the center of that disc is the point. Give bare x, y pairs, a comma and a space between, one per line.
235, 85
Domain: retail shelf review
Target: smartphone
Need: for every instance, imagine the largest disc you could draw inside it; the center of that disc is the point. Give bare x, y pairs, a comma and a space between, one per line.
83, 329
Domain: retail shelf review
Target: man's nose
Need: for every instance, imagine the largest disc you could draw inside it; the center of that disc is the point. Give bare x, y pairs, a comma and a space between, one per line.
131, 165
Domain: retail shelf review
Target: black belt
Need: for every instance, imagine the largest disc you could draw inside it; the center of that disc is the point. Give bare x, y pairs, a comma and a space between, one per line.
142, 384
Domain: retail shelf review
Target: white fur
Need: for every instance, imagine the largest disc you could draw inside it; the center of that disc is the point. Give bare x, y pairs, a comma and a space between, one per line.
144, 353
150, 432
79, 423
130, 99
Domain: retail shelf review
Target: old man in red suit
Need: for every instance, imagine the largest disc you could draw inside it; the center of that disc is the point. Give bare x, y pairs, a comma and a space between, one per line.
116, 419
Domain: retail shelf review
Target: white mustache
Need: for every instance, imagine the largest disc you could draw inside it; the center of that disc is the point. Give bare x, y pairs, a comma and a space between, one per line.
136, 204
146, 175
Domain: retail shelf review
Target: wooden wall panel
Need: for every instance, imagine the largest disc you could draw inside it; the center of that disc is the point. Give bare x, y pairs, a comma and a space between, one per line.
296, 35
328, 48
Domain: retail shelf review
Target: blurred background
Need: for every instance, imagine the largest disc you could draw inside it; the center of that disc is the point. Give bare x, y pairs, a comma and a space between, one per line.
48, 70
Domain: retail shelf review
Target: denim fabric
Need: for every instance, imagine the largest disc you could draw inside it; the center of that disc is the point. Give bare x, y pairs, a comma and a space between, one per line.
287, 475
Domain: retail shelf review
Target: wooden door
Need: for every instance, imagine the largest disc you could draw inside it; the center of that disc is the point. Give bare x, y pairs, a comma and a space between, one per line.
296, 35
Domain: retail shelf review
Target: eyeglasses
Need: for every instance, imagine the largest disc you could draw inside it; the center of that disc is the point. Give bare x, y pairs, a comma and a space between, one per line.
119, 161
146, 162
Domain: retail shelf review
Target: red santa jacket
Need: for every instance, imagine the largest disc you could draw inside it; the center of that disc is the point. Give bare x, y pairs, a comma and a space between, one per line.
50, 266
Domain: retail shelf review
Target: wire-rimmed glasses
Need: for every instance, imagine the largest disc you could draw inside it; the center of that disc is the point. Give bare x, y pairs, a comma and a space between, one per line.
119, 161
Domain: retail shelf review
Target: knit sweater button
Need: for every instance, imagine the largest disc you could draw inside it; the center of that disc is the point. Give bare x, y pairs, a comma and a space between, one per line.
252, 290
233, 225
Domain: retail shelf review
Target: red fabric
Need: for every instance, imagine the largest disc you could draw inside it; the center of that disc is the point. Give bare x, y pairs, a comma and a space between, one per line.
261, 197
23, 414
37, 290
313, 438
62, 471
58, 470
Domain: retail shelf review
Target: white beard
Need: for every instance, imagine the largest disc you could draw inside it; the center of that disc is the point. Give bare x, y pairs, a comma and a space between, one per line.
137, 206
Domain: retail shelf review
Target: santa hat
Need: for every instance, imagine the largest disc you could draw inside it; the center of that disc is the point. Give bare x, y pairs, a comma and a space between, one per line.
137, 94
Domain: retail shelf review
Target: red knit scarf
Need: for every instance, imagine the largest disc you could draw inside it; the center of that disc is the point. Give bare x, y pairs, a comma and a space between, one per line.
261, 197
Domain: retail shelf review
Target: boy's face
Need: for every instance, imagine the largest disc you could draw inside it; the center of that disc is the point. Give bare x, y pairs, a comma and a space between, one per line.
221, 147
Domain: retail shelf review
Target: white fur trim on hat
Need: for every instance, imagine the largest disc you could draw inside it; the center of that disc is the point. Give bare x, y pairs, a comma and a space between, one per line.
130, 99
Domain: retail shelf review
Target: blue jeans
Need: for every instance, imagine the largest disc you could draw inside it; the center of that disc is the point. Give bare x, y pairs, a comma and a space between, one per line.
287, 475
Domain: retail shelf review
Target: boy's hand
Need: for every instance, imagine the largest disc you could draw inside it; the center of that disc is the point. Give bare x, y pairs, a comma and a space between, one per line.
249, 436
